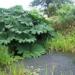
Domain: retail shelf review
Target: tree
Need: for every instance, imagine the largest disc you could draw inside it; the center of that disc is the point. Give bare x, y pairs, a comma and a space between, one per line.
47, 2
50, 6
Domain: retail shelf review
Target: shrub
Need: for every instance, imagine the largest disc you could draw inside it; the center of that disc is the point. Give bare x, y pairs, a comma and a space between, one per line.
66, 14
64, 18
20, 29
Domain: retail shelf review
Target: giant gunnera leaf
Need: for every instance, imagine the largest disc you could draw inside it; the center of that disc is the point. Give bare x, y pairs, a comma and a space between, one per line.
19, 29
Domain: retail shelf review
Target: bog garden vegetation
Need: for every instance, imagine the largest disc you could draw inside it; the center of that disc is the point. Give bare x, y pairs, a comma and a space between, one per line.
28, 34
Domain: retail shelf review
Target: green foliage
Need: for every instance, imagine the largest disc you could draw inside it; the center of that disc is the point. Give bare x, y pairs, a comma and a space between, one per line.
19, 69
20, 29
47, 2
64, 18
62, 43
51, 10
3, 73
64, 24
34, 51
5, 58
50, 6
66, 14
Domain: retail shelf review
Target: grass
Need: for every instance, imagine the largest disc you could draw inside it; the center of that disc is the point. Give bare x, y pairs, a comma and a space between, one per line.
62, 43
53, 70
18, 69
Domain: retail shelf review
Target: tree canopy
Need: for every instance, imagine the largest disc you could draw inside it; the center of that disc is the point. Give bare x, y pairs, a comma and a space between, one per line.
50, 6
47, 2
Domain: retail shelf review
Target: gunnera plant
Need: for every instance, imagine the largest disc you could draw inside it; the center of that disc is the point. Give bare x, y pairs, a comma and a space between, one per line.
23, 31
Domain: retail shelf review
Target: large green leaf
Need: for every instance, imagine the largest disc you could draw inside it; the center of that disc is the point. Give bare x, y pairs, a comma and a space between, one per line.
18, 27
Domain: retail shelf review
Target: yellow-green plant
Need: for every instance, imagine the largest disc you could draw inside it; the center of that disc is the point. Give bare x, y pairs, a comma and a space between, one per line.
3, 73
5, 58
61, 43
21, 70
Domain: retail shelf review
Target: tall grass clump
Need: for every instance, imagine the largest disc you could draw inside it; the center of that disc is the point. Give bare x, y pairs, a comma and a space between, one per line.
21, 70
61, 44
3, 73
5, 58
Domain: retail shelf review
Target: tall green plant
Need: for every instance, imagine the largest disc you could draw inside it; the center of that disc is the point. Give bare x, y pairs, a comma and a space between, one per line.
20, 29
5, 58
62, 43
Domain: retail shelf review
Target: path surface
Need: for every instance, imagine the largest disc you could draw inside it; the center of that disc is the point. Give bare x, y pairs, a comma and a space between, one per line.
56, 64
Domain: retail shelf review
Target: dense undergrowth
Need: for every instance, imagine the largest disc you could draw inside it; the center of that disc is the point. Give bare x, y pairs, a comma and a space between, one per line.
64, 24
16, 69
65, 44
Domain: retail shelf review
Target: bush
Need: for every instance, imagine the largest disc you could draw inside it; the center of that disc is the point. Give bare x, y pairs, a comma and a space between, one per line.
64, 18
20, 29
